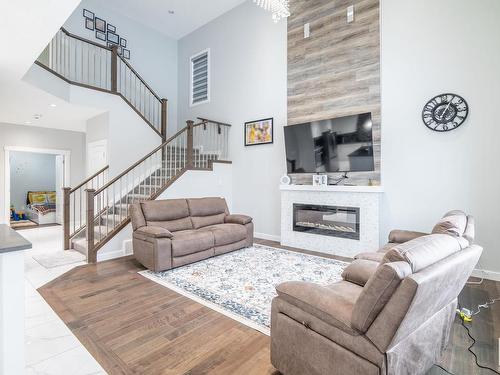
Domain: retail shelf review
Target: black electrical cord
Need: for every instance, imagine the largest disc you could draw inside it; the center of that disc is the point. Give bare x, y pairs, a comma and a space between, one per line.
474, 354
445, 370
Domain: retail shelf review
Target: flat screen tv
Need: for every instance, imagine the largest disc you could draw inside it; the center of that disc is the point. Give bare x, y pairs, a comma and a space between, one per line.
342, 144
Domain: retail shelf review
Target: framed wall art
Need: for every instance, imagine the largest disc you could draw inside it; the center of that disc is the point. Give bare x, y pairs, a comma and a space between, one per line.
259, 132
88, 14
89, 24
113, 38
100, 25
99, 35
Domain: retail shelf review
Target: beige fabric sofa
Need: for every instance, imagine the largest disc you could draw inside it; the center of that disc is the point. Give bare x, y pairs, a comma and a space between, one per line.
392, 317
174, 232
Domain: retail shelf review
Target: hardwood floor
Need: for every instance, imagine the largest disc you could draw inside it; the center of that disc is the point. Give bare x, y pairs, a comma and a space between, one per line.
132, 325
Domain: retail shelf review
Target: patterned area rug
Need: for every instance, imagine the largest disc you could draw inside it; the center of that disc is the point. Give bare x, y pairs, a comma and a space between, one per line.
242, 284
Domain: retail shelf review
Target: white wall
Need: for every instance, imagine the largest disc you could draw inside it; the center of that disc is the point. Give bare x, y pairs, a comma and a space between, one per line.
30, 136
97, 128
199, 184
453, 48
152, 54
30, 171
248, 75
129, 137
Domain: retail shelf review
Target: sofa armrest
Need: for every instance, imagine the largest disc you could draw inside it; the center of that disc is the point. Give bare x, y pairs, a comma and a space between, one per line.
359, 271
401, 236
331, 304
154, 232
237, 219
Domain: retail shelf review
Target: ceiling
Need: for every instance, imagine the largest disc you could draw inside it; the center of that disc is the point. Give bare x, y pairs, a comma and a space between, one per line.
25, 29
21, 101
188, 15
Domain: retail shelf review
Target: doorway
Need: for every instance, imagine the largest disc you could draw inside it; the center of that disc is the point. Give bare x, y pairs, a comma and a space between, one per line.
34, 181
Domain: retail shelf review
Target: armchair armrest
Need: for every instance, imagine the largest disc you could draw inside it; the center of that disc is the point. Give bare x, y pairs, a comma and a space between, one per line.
401, 236
154, 232
359, 271
332, 304
237, 219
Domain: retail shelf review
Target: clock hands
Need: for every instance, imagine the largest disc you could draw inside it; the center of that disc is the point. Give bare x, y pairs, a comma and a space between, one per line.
446, 109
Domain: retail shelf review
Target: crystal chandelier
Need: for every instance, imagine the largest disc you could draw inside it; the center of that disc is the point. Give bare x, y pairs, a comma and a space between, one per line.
279, 8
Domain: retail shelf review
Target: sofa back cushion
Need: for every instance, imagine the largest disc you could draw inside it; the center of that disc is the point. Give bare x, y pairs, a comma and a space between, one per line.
207, 211
376, 292
171, 214
424, 251
452, 223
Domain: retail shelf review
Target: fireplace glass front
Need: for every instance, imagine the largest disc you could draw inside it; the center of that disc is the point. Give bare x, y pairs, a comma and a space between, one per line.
326, 220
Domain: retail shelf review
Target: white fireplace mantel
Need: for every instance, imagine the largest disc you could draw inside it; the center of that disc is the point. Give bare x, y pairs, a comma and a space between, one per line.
344, 188
366, 198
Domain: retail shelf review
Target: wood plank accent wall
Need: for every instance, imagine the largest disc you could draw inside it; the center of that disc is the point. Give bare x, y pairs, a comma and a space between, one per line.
336, 71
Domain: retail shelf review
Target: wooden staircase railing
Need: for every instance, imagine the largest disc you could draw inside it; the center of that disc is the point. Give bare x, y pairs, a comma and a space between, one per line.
74, 206
86, 63
194, 147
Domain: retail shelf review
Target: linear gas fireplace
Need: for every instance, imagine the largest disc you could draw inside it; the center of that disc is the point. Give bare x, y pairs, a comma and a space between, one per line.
326, 220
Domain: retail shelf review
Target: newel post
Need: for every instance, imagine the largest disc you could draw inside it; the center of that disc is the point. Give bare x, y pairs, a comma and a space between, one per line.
190, 149
114, 69
164, 114
66, 217
91, 254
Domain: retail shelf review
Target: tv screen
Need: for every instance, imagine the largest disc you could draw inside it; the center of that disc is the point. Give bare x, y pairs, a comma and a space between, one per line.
341, 144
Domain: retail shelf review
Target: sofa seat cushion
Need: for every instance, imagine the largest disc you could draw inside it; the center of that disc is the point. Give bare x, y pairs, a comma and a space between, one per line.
226, 234
191, 241
332, 304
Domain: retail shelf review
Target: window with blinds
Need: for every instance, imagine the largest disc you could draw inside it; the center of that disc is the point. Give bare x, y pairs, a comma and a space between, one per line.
200, 80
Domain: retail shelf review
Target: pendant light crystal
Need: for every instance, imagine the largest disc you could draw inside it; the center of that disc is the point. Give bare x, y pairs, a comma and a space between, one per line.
278, 8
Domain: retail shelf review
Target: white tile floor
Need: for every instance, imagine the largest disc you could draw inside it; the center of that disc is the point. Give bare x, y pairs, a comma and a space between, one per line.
51, 348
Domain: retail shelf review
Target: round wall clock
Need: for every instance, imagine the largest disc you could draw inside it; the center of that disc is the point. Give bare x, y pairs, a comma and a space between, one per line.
445, 112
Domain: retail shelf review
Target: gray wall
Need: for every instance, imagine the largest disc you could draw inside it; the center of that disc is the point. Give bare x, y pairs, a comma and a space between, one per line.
30, 171
425, 173
248, 75
31, 136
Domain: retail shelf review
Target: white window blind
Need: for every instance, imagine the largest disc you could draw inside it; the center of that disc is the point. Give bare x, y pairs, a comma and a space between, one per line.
200, 78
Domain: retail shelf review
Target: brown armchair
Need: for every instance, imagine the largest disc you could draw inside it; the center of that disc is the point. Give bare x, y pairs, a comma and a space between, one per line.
392, 317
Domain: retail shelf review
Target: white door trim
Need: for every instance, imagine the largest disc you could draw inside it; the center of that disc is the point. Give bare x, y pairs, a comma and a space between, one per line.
8, 149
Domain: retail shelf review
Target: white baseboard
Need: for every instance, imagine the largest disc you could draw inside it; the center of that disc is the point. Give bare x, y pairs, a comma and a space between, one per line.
264, 236
110, 255
486, 274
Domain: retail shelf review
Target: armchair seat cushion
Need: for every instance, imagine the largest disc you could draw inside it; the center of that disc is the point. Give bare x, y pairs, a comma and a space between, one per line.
332, 304
226, 234
191, 241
